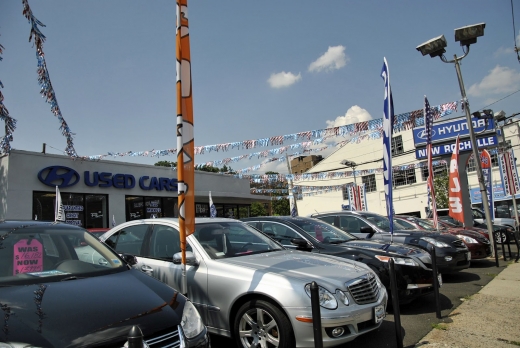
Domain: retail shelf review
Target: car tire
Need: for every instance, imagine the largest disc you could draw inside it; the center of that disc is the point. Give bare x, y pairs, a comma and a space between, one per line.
272, 330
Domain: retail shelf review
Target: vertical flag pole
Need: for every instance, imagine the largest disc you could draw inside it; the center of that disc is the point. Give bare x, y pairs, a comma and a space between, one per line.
388, 125
292, 197
428, 125
185, 136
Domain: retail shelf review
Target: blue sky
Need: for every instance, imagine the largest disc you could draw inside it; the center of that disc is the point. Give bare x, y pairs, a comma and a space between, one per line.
259, 68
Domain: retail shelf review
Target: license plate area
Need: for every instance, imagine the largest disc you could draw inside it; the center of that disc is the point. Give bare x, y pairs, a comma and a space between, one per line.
439, 278
379, 313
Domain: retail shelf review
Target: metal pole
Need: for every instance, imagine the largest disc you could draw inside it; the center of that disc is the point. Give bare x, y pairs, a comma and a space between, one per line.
316, 315
435, 281
474, 148
395, 304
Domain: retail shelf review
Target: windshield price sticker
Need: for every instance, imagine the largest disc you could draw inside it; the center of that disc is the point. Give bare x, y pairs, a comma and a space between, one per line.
28, 256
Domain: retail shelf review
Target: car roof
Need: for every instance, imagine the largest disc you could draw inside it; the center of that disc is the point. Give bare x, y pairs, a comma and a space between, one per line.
9, 224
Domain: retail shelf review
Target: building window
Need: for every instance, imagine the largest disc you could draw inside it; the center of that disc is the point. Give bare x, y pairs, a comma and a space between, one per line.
438, 169
138, 207
404, 177
370, 182
397, 145
85, 210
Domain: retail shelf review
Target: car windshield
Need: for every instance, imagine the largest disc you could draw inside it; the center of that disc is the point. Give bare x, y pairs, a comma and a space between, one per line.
323, 231
382, 222
32, 253
233, 239
407, 225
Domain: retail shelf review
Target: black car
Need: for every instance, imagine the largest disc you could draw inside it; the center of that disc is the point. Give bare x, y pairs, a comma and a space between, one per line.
452, 255
413, 265
53, 295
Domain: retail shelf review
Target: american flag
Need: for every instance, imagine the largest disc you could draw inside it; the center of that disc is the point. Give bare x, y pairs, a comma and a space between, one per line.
428, 125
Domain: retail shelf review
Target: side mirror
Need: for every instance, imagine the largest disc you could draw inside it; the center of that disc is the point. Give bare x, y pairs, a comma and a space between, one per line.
129, 259
301, 244
369, 230
191, 260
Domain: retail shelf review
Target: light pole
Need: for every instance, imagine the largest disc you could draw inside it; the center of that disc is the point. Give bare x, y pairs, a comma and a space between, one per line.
435, 48
353, 165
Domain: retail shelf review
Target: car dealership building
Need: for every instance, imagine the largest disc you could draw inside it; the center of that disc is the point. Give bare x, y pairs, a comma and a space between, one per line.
94, 193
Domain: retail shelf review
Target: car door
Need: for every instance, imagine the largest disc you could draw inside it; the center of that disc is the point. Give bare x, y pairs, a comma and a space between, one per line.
164, 242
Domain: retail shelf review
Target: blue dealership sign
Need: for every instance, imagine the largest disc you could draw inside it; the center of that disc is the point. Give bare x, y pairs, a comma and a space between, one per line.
448, 130
65, 177
465, 145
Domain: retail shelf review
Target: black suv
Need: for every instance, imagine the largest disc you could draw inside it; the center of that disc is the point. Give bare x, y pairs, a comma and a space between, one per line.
452, 254
412, 265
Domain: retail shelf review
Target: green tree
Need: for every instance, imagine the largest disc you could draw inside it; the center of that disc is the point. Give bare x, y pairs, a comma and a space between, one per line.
281, 207
258, 209
166, 164
441, 186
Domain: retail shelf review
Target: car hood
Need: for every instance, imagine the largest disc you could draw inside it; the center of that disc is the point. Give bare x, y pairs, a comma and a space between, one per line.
303, 266
397, 249
88, 312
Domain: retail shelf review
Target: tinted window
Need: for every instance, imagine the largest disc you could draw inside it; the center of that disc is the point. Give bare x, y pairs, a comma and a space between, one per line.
129, 240
352, 223
165, 242
279, 232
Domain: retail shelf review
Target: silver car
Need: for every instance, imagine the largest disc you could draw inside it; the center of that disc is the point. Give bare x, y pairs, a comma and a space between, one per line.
247, 286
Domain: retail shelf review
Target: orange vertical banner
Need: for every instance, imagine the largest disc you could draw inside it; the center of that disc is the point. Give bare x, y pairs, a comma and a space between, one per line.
455, 192
185, 134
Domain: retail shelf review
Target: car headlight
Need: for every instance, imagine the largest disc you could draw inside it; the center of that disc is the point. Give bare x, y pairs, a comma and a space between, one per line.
435, 242
327, 300
467, 239
398, 260
191, 322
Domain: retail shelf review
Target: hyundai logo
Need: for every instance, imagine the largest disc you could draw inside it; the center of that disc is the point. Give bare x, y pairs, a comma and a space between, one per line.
422, 134
58, 176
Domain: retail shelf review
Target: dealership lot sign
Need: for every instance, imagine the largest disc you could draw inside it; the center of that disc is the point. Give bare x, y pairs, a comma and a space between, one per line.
465, 145
66, 177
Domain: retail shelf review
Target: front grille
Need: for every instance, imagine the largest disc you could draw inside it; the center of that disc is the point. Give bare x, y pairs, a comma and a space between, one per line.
164, 340
458, 244
364, 289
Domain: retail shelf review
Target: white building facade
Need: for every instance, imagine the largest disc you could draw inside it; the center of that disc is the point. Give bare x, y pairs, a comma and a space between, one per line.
409, 189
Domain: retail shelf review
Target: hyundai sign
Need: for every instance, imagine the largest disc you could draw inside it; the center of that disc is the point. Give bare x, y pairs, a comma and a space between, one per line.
448, 130
66, 177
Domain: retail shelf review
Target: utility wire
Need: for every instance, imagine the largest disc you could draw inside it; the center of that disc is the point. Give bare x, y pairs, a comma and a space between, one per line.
514, 32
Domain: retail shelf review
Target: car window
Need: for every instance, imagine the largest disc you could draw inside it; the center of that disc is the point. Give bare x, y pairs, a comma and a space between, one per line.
129, 240
351, 224
279, 232
328, 219
322, 231
232, 239
46, 251
164, 242
406, 224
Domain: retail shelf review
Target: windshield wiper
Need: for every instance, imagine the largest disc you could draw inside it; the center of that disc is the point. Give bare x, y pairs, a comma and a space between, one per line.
338, 241
69, 278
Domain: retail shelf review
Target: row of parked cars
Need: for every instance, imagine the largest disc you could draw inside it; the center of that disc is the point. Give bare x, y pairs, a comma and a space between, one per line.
249, 280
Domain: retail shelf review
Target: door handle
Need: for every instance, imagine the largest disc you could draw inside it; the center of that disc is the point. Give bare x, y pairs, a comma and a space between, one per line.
146, 269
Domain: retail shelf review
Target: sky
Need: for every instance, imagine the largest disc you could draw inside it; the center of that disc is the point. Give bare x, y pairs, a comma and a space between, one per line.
259, 69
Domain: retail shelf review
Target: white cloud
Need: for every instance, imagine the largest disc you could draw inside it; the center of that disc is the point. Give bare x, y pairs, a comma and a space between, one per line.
335, 58
283, 79
353, 115
500, 80
503, 51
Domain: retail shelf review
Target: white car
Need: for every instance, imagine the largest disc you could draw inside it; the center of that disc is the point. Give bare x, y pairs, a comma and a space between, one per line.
247, 286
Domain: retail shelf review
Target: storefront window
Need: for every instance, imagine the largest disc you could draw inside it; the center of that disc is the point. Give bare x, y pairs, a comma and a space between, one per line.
150, 207
84, 210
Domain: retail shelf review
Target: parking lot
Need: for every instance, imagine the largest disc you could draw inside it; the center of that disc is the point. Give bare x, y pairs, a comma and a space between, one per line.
417, 318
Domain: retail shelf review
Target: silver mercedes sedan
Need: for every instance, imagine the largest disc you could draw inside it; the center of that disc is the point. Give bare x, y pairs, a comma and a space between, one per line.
247, 286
